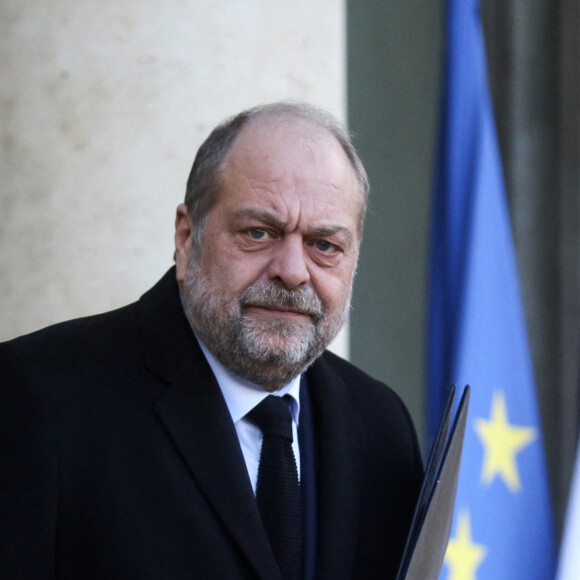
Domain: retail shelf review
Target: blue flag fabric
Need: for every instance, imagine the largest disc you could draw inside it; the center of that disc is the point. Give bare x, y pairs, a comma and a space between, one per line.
502, 527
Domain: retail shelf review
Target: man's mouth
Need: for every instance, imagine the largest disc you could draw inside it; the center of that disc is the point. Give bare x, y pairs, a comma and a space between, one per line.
278, 303
278, 311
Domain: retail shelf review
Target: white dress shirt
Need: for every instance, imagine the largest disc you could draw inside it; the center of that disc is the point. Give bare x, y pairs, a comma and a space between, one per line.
241, 397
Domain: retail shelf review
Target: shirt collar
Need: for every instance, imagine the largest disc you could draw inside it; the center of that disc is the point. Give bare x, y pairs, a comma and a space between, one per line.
241, 395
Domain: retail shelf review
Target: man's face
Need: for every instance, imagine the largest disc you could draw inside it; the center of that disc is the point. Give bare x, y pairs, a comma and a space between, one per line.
270, 286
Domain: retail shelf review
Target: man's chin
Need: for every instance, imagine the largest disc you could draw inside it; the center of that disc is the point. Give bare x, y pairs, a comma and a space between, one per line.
273, 346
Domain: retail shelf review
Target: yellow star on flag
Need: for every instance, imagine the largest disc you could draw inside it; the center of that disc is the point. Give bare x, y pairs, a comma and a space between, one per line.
501, 442
463, 557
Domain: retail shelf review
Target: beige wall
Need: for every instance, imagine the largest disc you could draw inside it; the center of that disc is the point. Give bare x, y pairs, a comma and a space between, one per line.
103, 105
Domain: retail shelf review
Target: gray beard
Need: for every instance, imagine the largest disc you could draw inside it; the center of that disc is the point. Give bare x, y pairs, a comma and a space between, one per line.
267, 352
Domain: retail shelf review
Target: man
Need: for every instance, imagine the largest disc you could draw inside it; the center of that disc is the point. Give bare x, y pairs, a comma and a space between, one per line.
127, 440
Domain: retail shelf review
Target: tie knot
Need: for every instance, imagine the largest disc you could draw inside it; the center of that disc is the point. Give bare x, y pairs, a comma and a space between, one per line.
273, 417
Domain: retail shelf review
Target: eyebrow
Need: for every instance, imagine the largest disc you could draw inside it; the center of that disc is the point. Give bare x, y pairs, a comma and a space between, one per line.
270, 219
331, 230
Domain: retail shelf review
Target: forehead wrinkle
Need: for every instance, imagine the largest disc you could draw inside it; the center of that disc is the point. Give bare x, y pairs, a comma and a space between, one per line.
260, 162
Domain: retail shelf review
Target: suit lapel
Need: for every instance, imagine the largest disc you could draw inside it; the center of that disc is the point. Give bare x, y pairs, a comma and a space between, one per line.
339, 432
196, 418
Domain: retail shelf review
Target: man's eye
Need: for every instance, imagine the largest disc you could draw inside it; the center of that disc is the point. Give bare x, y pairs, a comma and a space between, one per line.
324, 246
257, 233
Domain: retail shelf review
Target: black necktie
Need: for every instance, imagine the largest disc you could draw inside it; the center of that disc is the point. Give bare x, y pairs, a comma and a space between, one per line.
278, 490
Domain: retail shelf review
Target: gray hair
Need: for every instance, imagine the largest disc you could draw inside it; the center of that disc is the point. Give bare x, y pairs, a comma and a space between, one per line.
204, 182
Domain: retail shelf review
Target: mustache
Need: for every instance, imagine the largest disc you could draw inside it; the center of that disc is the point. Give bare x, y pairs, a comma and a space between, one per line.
303, 300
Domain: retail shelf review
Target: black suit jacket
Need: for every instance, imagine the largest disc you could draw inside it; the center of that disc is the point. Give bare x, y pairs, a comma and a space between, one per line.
119, 459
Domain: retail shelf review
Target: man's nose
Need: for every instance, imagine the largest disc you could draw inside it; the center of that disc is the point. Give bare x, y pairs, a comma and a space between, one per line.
289, 263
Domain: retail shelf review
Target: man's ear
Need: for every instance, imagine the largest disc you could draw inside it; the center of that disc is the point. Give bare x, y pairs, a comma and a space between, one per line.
183, 240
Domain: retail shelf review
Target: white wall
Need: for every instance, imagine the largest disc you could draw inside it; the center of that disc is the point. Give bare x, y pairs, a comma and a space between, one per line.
103, 105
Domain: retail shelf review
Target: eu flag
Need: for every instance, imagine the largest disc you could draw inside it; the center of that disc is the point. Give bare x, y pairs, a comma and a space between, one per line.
502, 527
